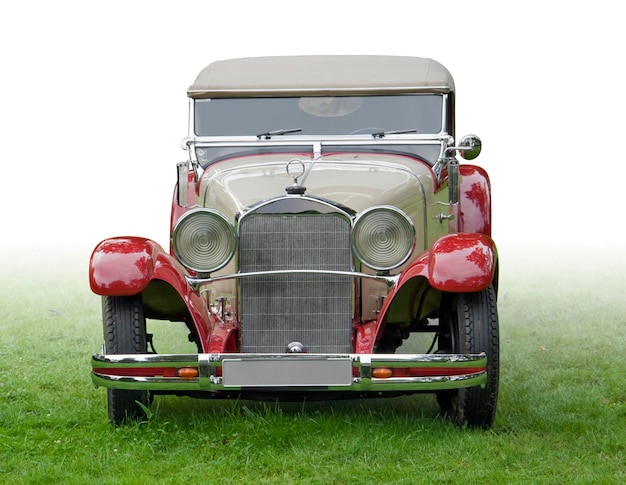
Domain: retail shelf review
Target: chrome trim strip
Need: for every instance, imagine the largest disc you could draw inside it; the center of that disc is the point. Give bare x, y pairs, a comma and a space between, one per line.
196, 282
209, 360
328, 140
317, 143
153, 383
358, 385
430, 383
297, 92
444, 112
331, 208
148, 360
394, 360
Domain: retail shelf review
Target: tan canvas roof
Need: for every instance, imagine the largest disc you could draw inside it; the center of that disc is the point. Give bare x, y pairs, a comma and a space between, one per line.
320, 75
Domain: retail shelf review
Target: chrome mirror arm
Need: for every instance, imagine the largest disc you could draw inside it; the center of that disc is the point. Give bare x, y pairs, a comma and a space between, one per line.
469, 147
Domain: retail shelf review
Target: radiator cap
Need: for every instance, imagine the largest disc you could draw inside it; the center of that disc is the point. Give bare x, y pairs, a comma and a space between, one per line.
296, 348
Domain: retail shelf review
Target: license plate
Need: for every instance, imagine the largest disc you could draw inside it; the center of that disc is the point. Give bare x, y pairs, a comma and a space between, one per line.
286, 372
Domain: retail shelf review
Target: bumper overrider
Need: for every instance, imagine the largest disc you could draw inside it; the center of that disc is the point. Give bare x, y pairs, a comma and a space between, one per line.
289, 372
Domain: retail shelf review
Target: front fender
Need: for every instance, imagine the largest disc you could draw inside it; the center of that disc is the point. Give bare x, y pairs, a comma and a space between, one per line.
457, 262
123, 266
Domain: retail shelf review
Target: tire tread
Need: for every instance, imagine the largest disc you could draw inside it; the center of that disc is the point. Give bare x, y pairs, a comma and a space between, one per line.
124, 333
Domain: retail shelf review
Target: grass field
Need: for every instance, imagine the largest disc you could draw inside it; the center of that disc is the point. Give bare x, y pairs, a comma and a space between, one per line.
561, 415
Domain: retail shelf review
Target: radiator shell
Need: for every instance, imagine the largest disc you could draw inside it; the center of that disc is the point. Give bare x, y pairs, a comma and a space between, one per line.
313, 309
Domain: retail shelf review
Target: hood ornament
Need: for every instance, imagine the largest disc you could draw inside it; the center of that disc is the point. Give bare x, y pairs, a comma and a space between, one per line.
295, 169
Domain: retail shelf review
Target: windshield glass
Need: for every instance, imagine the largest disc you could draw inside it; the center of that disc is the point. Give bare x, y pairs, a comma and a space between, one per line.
337, 115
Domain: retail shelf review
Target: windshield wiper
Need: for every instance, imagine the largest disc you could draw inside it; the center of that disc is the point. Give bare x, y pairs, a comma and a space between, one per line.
270, 134
381, 134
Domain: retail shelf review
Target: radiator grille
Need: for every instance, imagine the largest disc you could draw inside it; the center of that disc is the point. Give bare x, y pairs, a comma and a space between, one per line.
313, 309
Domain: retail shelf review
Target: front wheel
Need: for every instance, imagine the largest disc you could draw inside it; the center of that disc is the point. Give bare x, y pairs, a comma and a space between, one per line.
469, 324
124, 333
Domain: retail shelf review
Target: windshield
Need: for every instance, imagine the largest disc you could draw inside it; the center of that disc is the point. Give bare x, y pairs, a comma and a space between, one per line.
337, 115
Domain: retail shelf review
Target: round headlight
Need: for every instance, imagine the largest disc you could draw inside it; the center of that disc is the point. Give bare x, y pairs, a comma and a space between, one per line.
203, 240
383, 237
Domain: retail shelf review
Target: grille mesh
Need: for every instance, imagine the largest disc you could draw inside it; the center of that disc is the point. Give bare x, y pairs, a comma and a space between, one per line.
276, 310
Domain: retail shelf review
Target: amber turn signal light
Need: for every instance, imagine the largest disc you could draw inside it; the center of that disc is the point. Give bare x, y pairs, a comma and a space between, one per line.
381, 372
188, 372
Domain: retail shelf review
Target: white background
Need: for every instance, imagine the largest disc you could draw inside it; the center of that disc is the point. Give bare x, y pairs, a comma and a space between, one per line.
93, 104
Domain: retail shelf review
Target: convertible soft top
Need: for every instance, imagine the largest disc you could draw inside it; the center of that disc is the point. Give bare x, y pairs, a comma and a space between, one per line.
320, 75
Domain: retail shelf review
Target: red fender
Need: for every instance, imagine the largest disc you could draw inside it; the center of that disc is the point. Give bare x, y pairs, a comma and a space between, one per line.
459, 262
462, 262
456, 263
125, 266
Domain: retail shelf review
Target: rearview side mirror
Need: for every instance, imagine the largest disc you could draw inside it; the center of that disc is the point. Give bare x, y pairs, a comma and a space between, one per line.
469, 147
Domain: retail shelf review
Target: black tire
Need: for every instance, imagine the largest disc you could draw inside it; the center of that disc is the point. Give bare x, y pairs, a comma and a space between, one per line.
469, 324
124, 333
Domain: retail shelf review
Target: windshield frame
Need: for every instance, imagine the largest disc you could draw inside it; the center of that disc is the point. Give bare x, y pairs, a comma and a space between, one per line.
367, 120
316, 149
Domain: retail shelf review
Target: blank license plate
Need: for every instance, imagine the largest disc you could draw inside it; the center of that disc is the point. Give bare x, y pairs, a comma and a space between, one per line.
286, 372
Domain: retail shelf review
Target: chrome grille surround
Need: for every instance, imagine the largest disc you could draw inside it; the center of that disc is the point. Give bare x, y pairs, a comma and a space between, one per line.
278, 309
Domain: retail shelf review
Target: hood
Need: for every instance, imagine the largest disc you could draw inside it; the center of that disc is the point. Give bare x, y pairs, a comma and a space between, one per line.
354, 180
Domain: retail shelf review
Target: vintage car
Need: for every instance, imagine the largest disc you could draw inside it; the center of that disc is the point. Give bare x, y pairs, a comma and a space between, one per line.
326, 243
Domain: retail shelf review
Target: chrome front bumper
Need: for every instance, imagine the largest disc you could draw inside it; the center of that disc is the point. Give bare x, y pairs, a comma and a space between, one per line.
290, 372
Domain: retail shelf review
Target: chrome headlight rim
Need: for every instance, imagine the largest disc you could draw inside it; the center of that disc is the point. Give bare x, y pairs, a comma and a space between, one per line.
223, 229
403, 255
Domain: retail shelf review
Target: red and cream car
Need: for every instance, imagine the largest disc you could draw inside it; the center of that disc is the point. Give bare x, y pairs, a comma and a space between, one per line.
326, 243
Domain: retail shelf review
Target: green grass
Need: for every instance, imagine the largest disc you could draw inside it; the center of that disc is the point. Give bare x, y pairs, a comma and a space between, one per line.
561, 415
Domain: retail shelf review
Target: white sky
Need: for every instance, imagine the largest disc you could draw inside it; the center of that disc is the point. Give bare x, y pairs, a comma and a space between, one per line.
93, 103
